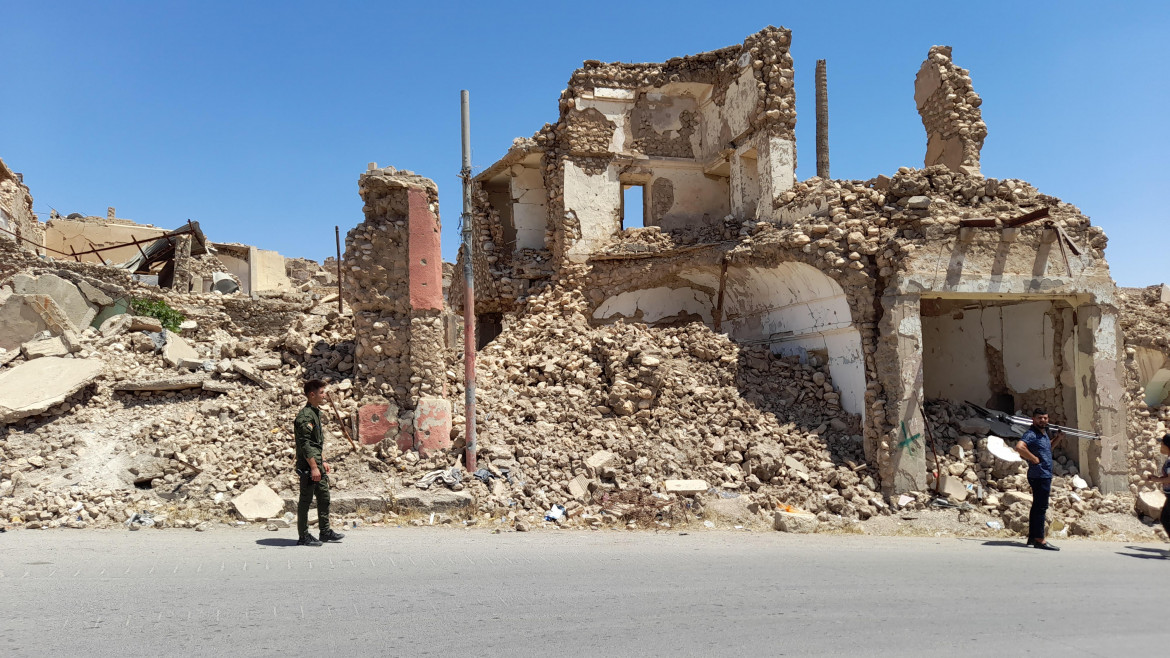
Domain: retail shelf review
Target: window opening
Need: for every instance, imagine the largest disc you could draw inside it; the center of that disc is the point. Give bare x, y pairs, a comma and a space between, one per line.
633, 206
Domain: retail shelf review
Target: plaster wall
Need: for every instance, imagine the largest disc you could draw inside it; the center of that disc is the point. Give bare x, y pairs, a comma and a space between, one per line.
745, 184
69, 235
236, 264
596, 201
955, 351
529, 207
720, 125
777, 171
688, 198
267, 271
614, 105
651, 305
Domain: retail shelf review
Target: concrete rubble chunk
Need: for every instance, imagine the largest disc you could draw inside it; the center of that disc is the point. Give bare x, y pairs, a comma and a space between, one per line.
94, 295
175, 350
36, 349
258, 502
145, 323
974, 426
24, 316
1013, 497
952, 487
686, 487
600, 459
75, 306
177, 383
1164, 294
271, 363
34, 387
1149, 503
116, 326
795, 522
579, 487
251, 373
437, 500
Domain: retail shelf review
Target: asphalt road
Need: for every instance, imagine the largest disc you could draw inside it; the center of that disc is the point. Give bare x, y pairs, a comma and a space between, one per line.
415, 591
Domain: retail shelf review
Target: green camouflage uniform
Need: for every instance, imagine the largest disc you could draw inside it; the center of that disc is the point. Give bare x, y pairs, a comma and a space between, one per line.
310, 439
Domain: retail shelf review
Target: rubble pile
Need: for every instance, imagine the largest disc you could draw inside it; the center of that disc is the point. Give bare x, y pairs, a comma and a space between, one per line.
959, 453
174, 425
573, 414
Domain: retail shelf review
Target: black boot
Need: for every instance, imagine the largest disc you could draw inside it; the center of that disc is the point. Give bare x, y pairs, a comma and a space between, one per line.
331, 536
308, 539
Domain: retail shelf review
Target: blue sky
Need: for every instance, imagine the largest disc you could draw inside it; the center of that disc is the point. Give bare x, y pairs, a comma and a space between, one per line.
256, 118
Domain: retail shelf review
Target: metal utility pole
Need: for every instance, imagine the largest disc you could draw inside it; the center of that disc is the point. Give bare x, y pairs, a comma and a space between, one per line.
337, 238
469, 288
822, 119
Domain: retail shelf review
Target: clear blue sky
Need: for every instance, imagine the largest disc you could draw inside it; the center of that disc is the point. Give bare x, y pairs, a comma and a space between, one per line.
256, 118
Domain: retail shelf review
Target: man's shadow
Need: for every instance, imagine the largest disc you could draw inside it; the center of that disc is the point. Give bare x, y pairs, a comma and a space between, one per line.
1146, 554
1006, 542
279, 542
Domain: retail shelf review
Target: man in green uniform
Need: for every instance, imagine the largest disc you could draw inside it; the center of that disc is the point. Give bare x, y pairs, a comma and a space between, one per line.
311, 466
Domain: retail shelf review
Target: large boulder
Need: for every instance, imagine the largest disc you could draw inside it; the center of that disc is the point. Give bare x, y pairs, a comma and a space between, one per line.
796, 522
258, 502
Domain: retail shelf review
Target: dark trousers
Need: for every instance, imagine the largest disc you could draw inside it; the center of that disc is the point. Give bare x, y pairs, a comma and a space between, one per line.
1041, 488
1166, 515
309, 489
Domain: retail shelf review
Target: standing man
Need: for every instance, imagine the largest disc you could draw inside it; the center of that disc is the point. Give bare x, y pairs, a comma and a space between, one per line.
1036, 449
311, 466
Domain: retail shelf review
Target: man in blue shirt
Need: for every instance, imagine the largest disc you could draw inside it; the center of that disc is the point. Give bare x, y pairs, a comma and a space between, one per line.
1036, 449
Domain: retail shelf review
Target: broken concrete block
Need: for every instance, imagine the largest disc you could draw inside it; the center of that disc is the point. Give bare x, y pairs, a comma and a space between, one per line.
251, 373
71, 341
7, 356
686, 487
794, 464
24, 316
145, 323
952, 487
36, 349
176, 349
1150, 503
177, 383
258, 502
34, 387
795, 522
1013, 497
197, 364
271, 363
579, 487
116, 325
600, 459
94, 295
432, 426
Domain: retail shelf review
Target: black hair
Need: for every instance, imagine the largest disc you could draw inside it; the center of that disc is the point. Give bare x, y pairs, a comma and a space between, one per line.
1039, 411
1166, 440
313, 385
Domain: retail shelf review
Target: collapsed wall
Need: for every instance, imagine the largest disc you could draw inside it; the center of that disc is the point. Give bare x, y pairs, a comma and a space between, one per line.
18, 222
949, 108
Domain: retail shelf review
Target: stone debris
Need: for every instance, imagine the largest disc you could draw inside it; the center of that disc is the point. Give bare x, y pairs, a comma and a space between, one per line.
258, 503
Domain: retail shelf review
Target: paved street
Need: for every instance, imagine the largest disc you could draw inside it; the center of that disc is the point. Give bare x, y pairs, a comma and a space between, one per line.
573, 593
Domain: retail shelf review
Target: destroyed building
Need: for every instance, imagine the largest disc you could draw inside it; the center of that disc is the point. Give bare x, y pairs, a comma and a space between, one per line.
732, 343
931, 283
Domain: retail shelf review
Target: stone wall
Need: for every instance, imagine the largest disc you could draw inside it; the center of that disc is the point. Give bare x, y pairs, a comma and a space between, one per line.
950, 113
16, 211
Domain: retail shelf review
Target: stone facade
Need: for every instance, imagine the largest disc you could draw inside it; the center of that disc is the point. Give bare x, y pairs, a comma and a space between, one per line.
950, 113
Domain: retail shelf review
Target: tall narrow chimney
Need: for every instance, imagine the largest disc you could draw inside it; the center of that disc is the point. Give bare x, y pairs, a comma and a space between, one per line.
822, 120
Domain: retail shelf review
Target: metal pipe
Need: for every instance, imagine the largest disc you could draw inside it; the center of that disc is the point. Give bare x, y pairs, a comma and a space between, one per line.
469, 288
337, 239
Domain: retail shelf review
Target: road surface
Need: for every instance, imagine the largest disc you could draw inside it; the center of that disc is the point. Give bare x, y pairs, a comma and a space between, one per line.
431, 591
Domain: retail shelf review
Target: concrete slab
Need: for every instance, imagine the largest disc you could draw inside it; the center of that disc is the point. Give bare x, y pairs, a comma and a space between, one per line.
686, 487
176, 350
433, 501
36, 386
251, 373
177, 383
600, 459
1150, 503
35, 349
145, 323
78, 309
953, 488
218, 386
258, 502
24, 316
